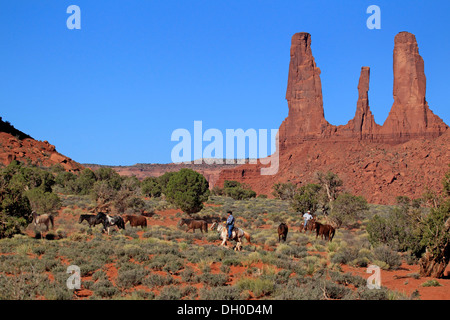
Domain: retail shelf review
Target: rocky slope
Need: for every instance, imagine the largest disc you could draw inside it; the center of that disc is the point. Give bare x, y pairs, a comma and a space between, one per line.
16, 145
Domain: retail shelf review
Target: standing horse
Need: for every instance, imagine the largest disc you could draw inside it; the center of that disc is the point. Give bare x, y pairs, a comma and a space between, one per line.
113, 221
135, 221
324, 230
42, 219
237, 234
282, 232
92, 219
195, 224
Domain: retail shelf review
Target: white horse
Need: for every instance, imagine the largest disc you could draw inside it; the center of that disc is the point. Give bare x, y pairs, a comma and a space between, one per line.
237, 234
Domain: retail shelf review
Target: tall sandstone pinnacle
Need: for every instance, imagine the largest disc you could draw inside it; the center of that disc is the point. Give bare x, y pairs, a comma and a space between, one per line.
306, 119
409, 118
376, 162
362, 126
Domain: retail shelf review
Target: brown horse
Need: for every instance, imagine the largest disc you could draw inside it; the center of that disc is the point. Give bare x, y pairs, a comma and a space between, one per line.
324, 230
42, 219
282, 232
135, 221
195, 224
310, 226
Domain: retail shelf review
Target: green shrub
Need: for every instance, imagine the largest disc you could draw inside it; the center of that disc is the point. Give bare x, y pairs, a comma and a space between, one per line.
187, 189
431, 283
219, 293
387, 255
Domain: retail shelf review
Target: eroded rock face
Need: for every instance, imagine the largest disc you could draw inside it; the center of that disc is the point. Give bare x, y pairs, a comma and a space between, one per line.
304, 95
410, 116
408, 152
362, 126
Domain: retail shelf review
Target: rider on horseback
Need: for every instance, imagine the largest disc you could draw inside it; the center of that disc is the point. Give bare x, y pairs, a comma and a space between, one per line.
230, 224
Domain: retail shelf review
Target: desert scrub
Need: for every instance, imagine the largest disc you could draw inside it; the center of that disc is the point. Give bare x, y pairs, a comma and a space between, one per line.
431, 283
219, 293
347, 278
104, 289
170, 293
188, 275
130, 278
156, 280
214, 280
388, 256
345, 255
258, 286
189, 292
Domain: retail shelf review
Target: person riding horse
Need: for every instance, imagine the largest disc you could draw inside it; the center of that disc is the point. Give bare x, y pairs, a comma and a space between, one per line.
307, 216
230, 224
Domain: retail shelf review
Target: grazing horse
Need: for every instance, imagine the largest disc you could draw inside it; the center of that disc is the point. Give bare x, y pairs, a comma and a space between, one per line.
282, 232
135, 221
92, 219
195, 224
237, 234
324, 230
42, 219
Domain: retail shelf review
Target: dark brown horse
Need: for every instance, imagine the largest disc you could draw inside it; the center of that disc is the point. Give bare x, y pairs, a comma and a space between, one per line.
282, 232
92, 219
135, 221
324, 230
195, 224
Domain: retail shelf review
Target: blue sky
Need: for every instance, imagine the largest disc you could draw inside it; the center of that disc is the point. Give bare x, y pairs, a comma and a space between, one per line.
114, 91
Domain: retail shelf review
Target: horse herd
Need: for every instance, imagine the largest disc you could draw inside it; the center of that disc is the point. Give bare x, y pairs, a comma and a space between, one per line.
324, 230
108, 221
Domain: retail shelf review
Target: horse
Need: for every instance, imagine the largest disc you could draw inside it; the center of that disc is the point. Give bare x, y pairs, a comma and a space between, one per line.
309, 226
195, 224
237, 234
282, 232
42, 219
92, 219
113, 221
324, 230
135, 221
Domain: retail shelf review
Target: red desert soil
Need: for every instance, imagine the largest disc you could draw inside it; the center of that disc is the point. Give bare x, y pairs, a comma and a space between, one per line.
399, 281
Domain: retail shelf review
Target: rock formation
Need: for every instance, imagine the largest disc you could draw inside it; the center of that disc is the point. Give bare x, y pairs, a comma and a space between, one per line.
410, 116
306, 119
363, 126
410, 151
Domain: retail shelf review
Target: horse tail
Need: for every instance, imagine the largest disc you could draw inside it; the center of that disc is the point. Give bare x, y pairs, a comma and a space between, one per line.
247, 236
51, 220
332, 231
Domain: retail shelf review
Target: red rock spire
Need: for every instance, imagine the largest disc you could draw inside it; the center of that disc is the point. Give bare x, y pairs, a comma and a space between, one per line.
410, 117
304, 94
